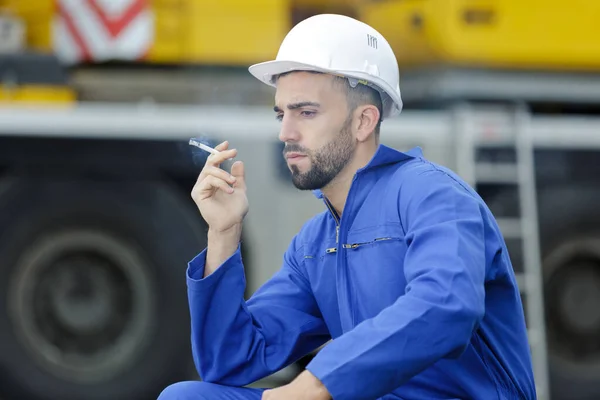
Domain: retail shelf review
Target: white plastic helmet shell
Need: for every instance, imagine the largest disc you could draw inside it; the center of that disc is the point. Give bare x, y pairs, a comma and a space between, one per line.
338, 45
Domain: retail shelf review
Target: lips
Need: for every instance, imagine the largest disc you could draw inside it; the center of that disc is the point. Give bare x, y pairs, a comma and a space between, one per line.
294, 156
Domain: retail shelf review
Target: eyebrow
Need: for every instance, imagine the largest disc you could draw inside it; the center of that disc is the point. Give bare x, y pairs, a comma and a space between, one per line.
301, 104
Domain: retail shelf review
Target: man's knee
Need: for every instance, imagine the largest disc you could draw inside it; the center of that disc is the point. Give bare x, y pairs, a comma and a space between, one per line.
198, 390
188, 390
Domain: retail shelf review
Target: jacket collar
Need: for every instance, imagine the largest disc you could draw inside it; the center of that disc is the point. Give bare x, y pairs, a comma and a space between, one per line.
384, 155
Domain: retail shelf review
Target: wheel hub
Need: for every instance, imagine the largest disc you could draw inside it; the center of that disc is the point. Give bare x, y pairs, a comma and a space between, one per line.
82, 299
81, 303
572, 296
580, 297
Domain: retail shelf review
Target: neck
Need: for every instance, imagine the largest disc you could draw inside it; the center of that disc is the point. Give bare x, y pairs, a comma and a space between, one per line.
337, 190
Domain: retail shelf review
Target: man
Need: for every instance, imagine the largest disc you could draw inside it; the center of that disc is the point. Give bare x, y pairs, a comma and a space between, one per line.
406, 270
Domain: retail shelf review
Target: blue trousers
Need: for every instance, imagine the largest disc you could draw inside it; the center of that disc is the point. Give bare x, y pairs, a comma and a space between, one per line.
197, 390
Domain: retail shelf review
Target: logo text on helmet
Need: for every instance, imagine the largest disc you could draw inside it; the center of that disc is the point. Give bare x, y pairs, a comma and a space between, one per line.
372, 41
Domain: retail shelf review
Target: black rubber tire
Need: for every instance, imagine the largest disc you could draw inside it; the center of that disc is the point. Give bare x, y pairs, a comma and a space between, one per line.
165, 230
569, 214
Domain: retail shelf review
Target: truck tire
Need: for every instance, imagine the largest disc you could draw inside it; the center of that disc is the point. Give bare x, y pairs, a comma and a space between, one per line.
570, 240
93, 299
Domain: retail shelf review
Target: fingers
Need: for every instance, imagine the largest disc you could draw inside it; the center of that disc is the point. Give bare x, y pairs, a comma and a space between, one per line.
213, 182
222, 146
212, 177
207, 187
238, 172
224, 155
218, 173
218, 159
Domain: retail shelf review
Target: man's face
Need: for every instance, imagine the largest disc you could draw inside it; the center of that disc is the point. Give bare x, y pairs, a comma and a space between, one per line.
315, 127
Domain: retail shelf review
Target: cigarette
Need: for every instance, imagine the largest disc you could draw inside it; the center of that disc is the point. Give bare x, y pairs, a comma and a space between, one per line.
203, 147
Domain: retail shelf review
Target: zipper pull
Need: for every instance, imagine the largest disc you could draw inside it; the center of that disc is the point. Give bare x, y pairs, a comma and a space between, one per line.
337, 233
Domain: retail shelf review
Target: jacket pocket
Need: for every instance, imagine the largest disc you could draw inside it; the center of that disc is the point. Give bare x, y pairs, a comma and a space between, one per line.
375, 269
357, 245
358, 237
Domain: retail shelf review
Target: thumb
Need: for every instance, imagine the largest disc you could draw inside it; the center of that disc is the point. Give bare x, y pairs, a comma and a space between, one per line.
238, 171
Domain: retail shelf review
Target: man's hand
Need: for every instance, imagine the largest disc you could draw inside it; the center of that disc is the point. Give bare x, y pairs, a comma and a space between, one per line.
220, 196
221, 199
305, 387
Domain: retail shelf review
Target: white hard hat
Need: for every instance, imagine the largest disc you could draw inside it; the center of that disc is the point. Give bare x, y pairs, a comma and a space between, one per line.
342, 46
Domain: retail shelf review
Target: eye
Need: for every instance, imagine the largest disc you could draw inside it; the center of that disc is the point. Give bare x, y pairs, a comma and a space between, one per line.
279, 117
306, 113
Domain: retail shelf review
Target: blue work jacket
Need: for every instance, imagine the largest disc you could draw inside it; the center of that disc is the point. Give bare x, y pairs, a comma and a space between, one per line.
413, 284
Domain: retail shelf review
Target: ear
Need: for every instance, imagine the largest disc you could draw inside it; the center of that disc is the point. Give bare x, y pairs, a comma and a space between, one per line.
368, 117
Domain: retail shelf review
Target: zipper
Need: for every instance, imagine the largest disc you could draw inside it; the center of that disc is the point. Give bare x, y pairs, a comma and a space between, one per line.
345, 289
336, 218
334, 213
357, 245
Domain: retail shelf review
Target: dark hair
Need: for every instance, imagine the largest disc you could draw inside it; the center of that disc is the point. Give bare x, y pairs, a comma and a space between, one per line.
360, 95
356, 96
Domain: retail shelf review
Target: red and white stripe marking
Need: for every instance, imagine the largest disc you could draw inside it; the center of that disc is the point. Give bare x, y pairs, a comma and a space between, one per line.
101, 30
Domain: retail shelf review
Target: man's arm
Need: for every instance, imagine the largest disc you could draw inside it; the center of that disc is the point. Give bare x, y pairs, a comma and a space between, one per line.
442, 305
235, 342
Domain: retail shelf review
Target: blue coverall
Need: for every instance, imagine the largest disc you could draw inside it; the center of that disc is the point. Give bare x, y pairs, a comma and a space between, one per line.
413, 284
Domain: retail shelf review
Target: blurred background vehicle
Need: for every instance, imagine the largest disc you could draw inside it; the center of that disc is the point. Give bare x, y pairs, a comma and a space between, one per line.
98, 99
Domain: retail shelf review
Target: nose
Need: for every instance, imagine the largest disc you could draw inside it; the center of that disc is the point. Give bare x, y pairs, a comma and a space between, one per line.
288, 131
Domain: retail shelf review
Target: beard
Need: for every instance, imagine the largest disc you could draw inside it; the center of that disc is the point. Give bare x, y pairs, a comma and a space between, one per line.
326, 162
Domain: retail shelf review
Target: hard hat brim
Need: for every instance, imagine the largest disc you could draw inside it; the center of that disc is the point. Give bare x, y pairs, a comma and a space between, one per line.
265, 72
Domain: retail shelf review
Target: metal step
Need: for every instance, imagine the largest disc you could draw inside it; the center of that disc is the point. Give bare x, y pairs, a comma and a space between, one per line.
511, 228
486, 172
521, 282
534, 336
525, 286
